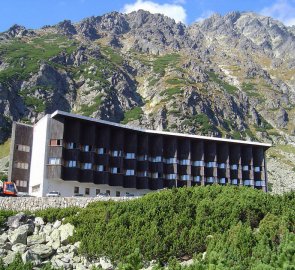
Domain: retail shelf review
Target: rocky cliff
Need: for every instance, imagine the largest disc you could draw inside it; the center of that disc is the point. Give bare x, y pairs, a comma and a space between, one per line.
230, 76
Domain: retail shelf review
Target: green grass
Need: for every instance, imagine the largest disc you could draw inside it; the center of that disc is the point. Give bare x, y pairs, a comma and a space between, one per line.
202, 122
88, 110
5, 149
226, 86
131, 115
171, 92
112, 55
152, 81
25, 58
161, 63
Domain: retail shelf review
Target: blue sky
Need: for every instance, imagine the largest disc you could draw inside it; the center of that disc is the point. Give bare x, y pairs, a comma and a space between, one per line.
37, 13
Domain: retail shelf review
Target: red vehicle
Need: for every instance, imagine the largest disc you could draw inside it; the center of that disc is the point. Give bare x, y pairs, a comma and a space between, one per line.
8, 189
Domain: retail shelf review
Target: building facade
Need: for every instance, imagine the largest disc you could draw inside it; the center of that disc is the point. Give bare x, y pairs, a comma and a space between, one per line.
74, 154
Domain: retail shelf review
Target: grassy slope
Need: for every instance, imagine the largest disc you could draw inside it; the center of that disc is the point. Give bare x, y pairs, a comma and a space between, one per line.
4, 149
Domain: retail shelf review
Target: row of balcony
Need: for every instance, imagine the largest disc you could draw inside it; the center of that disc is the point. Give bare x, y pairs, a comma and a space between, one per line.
185, 162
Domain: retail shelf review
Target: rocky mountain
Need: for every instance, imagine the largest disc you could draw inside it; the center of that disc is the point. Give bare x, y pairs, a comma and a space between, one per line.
230, 76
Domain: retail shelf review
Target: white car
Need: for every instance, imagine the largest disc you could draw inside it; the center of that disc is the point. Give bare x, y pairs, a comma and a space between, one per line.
53, 194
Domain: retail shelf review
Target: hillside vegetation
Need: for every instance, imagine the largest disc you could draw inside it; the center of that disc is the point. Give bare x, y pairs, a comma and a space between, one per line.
238, 228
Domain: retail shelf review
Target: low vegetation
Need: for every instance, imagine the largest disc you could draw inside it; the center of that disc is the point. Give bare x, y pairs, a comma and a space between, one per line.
88, 110
131, 115
162, 62
238, 228
4, 149
202, 121
224, 85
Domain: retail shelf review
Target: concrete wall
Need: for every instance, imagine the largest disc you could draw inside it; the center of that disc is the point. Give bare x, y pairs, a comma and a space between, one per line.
38, 203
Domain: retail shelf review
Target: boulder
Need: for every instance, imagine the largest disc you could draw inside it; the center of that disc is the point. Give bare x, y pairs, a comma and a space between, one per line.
29, 256
66, 231
55, 239
7, 246
3, 252
3, 239
43, 251
56, 224
105, 263
29, 227
19, 236
8, 259
20, 248
16, 221
36, 239
39, 221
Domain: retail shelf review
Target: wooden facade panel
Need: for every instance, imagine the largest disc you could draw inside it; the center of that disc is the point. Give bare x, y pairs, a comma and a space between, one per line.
184, 148
170, 145
210, 151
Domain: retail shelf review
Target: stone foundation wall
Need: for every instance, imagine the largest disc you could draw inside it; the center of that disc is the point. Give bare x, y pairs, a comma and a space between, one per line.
34, 203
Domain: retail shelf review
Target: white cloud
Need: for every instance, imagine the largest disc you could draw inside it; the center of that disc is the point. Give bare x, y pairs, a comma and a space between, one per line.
206, 14
175, 11
282, 10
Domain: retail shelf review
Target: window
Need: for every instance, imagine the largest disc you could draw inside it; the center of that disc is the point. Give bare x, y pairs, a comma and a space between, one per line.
234, 182
257, 169
35, 188
55, 142
86, 148
185, 177
222, 181
210, 179
116, 153
156, 159
97, 191
87, 166
108, 192
198, 163
234, 167
246, 168
130, 172
130, 156
142, 174
54, 161
197, 178
76, 190
171, 176
211, 164
184, 162
101, 168
115, 170
72, 163
155, 175
71, 145
221, 165
23, 148
21, 183
170, 160
87, 191
142, 157
21, 165
260, 183
101, 151
117, 193
248, 182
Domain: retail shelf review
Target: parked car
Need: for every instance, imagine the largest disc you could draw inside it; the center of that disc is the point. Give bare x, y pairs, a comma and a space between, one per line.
53, 194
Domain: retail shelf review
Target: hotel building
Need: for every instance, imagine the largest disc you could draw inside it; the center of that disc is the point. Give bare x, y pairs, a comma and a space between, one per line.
74, 154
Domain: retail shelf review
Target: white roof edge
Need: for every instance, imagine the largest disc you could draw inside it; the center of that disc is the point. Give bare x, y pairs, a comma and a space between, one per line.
157, 131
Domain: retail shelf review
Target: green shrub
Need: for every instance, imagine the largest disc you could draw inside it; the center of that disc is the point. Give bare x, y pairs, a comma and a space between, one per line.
161, 63
171, 92
88, 110
226, 86
131, 115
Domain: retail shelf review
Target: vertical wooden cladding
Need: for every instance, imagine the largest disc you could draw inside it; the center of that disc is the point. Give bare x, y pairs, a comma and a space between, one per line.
87, 133
156, 149
142, 150
235, 153
197, 149
56, 128
72, 130
210, 156
117, 144
246, 155
223, 158
21, 135
170, 146
258, 156
130, 146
